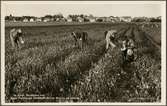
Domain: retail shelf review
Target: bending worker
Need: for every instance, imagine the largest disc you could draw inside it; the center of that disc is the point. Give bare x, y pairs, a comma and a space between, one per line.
110, 37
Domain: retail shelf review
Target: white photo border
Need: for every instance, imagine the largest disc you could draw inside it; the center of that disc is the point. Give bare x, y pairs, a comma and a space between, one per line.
163, 50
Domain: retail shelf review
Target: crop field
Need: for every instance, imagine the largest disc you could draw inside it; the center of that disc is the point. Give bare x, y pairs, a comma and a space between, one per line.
50, 64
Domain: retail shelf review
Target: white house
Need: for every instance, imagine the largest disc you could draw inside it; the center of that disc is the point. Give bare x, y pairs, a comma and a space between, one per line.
31, 19
46, 20
25, 20
57, 19
69, 19
114, 19
92, 19
80, 19
126, 19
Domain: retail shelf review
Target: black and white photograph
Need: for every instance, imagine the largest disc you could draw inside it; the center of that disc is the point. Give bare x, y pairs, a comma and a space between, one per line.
83, 52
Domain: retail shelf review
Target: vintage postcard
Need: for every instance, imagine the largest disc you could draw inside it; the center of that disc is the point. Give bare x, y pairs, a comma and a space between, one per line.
83, 52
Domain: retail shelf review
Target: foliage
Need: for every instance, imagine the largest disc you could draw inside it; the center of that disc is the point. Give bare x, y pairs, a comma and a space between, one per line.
50, 64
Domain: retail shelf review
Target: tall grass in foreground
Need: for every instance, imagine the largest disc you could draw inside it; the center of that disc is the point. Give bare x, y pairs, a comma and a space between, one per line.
25, 67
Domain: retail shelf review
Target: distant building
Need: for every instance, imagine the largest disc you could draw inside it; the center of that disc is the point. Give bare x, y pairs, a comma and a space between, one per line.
52, 19
57, 19
25, 20
62, 19
32, 19
108, 19
126, 19
89, 19
116, 19
38, 19
101, 19
69, 19
46, 19
113, 19
141, 19
79, 19
92, 19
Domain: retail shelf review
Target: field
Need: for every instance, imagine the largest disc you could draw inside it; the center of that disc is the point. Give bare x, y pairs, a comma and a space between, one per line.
154, 33
50, 64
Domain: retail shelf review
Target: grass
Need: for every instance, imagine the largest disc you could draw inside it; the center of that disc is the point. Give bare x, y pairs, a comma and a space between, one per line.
107, 81
50, 64
39, 24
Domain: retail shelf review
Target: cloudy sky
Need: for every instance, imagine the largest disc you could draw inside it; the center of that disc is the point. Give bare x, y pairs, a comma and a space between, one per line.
110, 8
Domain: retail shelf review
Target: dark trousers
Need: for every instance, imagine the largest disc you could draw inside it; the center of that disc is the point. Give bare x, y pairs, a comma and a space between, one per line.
124, 54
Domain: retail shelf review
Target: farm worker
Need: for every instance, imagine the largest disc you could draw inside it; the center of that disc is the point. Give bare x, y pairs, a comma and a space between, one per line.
127, 50
130, 51
110, 36
130, 55
80, 37
124, 49
16, 37
130, 43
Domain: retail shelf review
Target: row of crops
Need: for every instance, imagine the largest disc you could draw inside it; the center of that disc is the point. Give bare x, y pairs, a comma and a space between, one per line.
108, 81
53, 66
153, 32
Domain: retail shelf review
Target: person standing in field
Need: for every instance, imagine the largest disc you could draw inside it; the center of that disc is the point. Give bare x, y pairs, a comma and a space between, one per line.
110, 37
124, 49
127, 49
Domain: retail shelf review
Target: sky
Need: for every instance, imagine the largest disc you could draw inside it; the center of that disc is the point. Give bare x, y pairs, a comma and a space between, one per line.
95, 8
